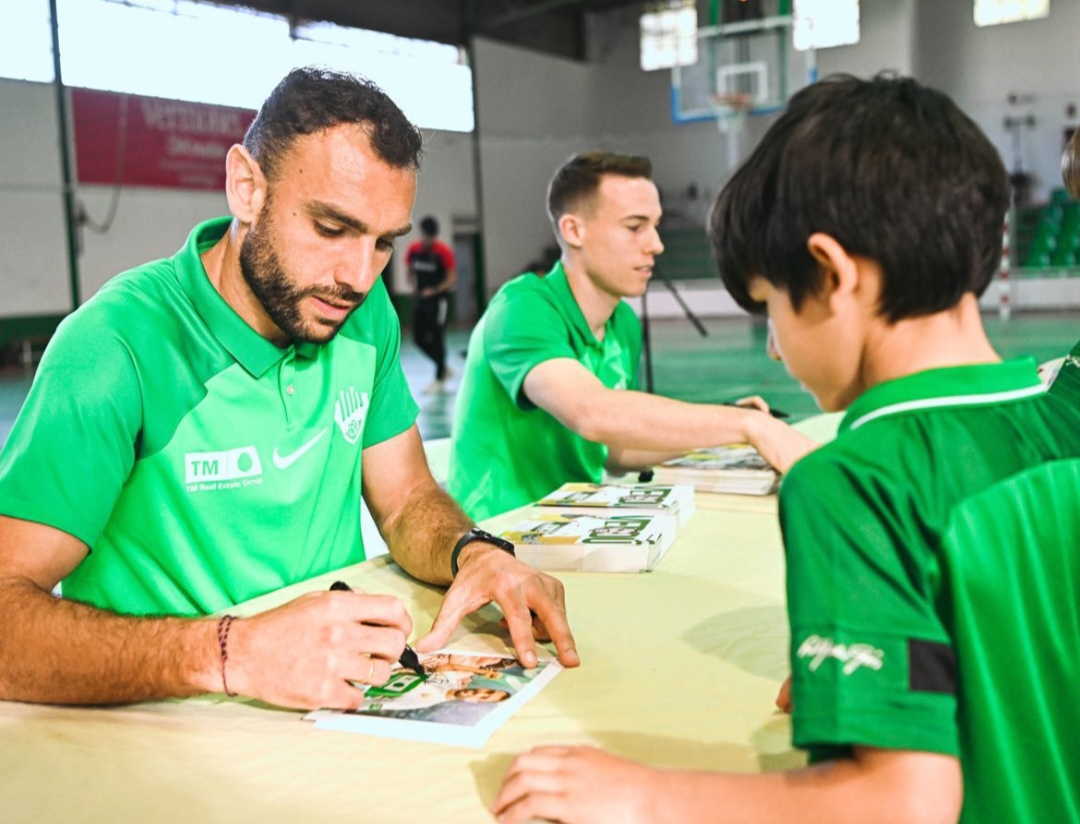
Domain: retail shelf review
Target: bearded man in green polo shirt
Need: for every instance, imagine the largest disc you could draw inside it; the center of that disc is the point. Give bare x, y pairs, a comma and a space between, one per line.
933, 548
202, 431
548, 390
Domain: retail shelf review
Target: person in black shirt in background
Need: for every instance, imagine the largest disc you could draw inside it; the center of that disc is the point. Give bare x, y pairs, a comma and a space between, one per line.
432, 273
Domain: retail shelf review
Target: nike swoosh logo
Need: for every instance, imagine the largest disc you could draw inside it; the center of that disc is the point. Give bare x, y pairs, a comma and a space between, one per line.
285, 461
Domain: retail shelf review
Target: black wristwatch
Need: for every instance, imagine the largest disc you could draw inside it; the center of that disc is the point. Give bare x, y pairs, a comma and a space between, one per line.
476, 534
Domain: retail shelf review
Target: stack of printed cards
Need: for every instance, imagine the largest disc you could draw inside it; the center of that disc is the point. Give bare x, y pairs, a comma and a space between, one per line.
461, 699
593, 543
621, 499
737, 470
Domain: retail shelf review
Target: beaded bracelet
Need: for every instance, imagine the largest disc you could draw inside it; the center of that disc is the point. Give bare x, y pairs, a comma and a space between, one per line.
223, 625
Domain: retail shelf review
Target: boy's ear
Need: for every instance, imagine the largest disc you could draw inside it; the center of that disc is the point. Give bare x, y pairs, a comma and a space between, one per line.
840, 272
572, 230
245, 185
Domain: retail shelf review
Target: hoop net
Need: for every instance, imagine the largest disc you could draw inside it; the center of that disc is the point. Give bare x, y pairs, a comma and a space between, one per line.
731, 109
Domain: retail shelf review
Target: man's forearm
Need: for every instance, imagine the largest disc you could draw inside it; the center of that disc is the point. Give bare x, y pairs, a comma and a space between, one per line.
635, 422
643, 422
422, 537
58, 651
635, 460
631, 420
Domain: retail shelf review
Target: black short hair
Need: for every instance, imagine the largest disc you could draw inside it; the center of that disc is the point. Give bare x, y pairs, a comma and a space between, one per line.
1070, 165
309, 100
579, 178
429, 226
892, 170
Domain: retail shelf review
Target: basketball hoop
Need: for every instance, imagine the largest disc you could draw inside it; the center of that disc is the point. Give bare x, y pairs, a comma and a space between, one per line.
730, 109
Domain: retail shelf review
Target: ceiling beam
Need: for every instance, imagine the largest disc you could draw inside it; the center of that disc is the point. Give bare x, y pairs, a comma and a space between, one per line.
527, 12
552, 26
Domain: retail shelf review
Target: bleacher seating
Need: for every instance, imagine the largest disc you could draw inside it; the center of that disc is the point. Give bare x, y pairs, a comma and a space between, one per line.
687, 254
1049, 236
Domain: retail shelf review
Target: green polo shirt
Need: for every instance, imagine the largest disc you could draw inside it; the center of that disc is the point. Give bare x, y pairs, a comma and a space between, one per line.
200, 463
911, 632
506, 452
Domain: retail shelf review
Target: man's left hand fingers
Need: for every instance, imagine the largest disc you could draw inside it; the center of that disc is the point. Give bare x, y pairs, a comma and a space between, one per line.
540, 632
455, 606
550, 611
519, 622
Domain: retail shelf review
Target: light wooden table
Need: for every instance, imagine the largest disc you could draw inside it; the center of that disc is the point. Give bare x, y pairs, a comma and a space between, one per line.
681, 667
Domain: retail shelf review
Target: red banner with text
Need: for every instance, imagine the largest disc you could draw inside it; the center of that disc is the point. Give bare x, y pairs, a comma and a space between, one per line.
126, 139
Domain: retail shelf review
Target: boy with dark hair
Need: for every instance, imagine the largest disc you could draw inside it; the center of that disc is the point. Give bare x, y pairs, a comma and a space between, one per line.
934, 660
433, 273
548, 391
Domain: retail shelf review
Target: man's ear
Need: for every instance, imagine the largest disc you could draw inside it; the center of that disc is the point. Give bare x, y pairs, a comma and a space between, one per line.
245, 185
572, 229
841, 274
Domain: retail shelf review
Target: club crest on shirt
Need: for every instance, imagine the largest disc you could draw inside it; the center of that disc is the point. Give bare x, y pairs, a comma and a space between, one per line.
852, 656
350, 412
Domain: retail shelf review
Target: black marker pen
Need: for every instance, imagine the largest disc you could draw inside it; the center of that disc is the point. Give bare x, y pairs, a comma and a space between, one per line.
409, 658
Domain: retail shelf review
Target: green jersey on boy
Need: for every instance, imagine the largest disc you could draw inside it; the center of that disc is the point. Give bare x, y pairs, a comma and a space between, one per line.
889, 579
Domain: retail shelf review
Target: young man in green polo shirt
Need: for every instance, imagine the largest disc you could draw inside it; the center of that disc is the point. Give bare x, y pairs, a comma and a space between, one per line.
202, 430
934, 661
548, 391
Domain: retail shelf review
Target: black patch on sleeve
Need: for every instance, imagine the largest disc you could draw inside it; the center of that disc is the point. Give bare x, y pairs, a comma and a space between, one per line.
931, 667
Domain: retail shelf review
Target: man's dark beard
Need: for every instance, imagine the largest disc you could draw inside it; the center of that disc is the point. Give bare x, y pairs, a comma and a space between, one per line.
268, 281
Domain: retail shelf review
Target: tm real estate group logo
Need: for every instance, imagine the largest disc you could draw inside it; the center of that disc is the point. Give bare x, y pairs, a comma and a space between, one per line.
227, 469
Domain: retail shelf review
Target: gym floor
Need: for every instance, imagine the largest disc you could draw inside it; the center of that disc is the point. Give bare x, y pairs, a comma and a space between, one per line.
728, 364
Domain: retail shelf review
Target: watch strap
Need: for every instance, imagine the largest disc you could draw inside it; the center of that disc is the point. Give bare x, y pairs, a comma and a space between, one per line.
476, 534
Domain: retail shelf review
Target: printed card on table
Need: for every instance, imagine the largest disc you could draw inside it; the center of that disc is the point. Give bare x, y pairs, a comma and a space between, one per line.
461, 700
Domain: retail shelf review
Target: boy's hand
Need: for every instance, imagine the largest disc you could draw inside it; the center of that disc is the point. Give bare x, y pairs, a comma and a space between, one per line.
575, 785
783, 698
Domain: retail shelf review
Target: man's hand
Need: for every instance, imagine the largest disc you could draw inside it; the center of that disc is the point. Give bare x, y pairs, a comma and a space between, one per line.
533, 603
575, 785
779, 444
304, 654
753, 402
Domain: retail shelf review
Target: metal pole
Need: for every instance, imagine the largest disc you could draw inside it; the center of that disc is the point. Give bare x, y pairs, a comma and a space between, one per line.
690, 316
70, 218
646, 340
480, 272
